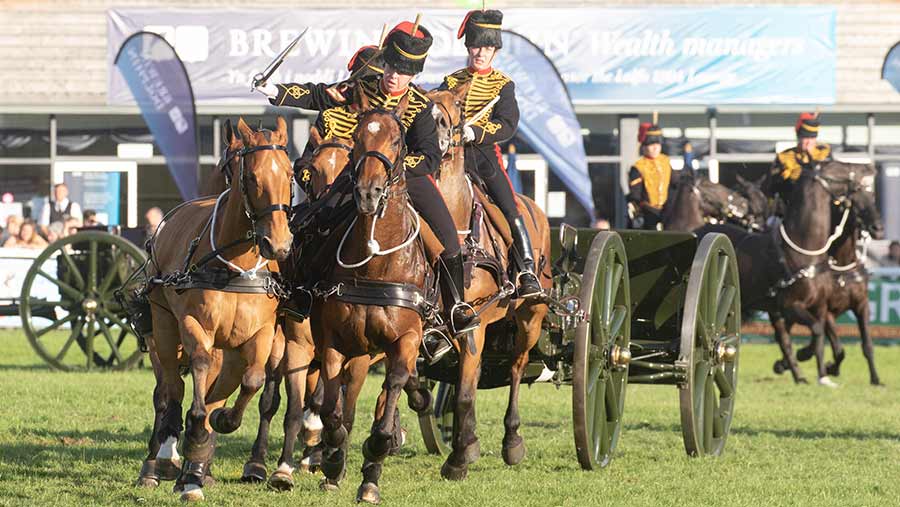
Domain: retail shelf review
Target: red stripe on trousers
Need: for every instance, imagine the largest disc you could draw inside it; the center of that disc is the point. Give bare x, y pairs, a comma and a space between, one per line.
503, 169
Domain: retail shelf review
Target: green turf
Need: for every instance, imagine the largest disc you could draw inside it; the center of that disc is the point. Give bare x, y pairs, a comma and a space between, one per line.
78, 439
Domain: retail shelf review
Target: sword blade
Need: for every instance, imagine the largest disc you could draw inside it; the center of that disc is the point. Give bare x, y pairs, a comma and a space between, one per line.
483, 111
272, 67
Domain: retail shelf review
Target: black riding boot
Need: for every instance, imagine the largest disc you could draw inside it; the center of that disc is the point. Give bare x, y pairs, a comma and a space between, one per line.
461, 316
527, 284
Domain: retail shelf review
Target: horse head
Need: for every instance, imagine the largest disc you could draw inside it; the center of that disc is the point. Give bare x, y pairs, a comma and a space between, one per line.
854, 185
329, 157
264, 183
448, 115
756, 199
378, 152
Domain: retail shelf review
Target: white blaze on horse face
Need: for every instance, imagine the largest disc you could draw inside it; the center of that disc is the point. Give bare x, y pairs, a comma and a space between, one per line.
333, 161
374, 127
274, 167
168, 449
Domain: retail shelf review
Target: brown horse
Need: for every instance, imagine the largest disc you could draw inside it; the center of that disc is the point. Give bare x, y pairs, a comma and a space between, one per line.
528, 315
295, 365
207, 245
346, 327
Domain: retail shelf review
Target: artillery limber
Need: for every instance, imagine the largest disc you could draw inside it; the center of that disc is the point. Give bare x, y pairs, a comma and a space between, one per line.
627, 307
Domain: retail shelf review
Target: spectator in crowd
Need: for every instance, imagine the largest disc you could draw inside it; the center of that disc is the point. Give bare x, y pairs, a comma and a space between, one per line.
55, 231
60, 208
27, 238
13, 224
154, 217
70, 226
90, 218
602, 224
893, 256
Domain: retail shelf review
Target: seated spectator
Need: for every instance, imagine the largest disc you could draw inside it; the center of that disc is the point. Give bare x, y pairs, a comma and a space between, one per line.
13, 224
90, 218
70, 226
893, 256
55, 231
27, 238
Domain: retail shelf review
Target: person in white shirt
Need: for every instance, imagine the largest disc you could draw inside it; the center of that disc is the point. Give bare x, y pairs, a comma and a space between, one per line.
60, 207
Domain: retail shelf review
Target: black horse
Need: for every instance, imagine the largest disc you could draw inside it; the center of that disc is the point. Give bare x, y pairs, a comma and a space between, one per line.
696, 201
782, 272
850, 287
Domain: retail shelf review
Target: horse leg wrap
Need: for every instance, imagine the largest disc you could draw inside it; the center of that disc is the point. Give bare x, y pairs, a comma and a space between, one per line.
375, 451
334, 463
371, 472
192, 472
420, 401
199, 451
148, 477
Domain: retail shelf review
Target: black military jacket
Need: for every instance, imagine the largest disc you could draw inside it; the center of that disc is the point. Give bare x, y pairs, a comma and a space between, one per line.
338, 120
500, 122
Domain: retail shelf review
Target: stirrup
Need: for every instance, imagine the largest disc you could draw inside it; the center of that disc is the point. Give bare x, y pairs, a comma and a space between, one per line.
473, 323
442, 342
528, 294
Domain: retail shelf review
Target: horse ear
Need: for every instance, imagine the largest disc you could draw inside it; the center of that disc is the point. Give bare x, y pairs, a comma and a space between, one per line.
459, 93
245, 130
360, 100
400, 110
315, 138
740, 179
281, 130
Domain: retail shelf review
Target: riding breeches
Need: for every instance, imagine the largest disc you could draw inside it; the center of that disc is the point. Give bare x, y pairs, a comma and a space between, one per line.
488, 164
429, 202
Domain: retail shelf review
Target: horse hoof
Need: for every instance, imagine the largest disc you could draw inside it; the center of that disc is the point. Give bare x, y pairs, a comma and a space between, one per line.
515, 453
191, 493
281, 481
805, 354
208, 480
168, 469
368, 493
827, 382
833, 369
778, 367
221, 423
877, 383
453, 472
254, 472
327, 484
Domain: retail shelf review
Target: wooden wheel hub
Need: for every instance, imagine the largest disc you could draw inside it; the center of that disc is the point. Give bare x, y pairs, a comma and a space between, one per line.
620, 357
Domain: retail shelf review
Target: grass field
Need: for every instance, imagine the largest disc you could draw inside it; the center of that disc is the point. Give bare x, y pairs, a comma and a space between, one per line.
77, 439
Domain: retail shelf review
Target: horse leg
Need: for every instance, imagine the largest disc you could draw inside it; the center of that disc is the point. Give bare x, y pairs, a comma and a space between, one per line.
312, 421
466, 449
783, 364
334, 434
198, 447
165, 357
528, 330
837, 348
255, 354
298, 355
861, 312
255, 467
816, 327
401, 356
149, 475
784, 341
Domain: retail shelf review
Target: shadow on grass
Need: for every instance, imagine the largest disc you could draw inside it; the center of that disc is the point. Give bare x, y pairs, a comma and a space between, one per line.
799, 433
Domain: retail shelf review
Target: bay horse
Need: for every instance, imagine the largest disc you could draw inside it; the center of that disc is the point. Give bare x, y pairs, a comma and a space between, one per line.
780, 270
486, 293
850, 284
373, 302
215, 287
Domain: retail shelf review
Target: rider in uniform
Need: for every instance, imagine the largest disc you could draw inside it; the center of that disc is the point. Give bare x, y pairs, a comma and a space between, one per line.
404, 56
649, 178
790, 163
498, 124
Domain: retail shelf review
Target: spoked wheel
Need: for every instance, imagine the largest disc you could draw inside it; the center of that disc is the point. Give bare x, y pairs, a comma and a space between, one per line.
600, 363
710, 341
68, 304
437, 427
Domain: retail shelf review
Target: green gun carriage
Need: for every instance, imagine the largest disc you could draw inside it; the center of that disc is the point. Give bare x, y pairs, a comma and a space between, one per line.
639, 307
67, 302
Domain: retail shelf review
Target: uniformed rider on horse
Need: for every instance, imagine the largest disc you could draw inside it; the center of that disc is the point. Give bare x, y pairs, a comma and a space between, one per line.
492, 94
404, 54
790, 163
649, 179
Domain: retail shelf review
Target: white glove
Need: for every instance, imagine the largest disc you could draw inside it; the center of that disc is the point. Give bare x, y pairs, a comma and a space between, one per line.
468, 134
268, 89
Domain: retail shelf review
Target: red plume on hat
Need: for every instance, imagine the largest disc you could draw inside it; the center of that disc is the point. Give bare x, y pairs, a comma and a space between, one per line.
642, 131
807, 125
406, 27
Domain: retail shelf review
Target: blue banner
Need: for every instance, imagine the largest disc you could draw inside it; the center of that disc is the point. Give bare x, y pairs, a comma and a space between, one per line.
605, 55
547, 119
890, 70
98, 191
161, 87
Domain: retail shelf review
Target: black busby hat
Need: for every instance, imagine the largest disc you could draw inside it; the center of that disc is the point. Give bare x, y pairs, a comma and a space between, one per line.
807, 125
649, 133
364, 56
482, 28
406, 51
